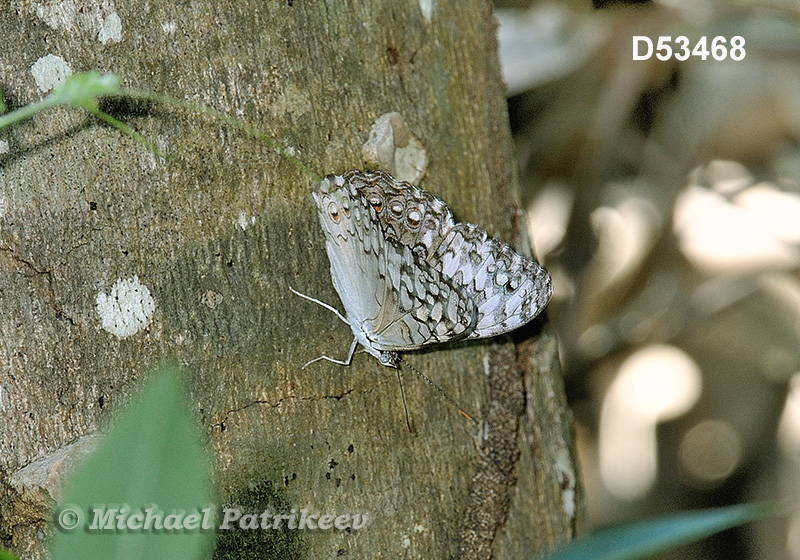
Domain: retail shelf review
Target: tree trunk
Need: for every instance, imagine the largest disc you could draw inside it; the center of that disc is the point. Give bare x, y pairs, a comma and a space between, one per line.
213, 237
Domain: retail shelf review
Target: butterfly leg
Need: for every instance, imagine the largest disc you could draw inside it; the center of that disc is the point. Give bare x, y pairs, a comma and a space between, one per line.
345, 362
326, 306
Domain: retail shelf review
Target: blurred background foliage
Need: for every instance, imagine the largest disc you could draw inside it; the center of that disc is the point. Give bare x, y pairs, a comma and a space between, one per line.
664, 198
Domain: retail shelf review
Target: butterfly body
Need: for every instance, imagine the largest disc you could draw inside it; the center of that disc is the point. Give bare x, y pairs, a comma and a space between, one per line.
409, 276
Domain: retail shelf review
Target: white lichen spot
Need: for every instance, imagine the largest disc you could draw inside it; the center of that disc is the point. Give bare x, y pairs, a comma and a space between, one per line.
49, 71
483, 434
4, 147
419, 528
291, 150
58, 15
405, 541
567, 474
127, 309
169, 27
110, 28
392, 147
426, 6
98, 18
243, 221
211, 299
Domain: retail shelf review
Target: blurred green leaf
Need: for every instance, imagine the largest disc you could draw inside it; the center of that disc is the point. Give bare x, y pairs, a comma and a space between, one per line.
81, 90
6, 555
152, 456
647, 538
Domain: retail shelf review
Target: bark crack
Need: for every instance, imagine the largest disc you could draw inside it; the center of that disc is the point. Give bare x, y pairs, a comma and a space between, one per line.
25, 262
48, 274
221, 425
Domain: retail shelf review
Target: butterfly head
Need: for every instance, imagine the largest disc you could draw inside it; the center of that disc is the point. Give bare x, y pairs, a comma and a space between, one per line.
390, 359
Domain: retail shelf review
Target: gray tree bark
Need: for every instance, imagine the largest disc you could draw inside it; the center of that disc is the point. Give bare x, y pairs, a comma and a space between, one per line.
219, 231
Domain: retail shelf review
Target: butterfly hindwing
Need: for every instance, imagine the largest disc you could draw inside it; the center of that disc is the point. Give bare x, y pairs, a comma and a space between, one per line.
507, 289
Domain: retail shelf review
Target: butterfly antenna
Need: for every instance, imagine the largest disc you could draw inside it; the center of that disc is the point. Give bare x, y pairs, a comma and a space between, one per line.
438, 390
403, 395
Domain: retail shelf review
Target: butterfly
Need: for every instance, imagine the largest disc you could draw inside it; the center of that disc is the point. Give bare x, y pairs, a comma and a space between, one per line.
409, 275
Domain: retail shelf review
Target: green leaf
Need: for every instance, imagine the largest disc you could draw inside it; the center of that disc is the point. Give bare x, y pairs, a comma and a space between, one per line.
6, 555
654, 536
81, 90
153, 456
78, 90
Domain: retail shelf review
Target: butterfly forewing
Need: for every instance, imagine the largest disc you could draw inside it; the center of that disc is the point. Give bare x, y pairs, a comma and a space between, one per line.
391, 301
414, 217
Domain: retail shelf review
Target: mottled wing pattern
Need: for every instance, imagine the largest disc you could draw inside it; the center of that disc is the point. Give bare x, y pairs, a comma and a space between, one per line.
424, 307
410, 215
389, 296
508, 290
